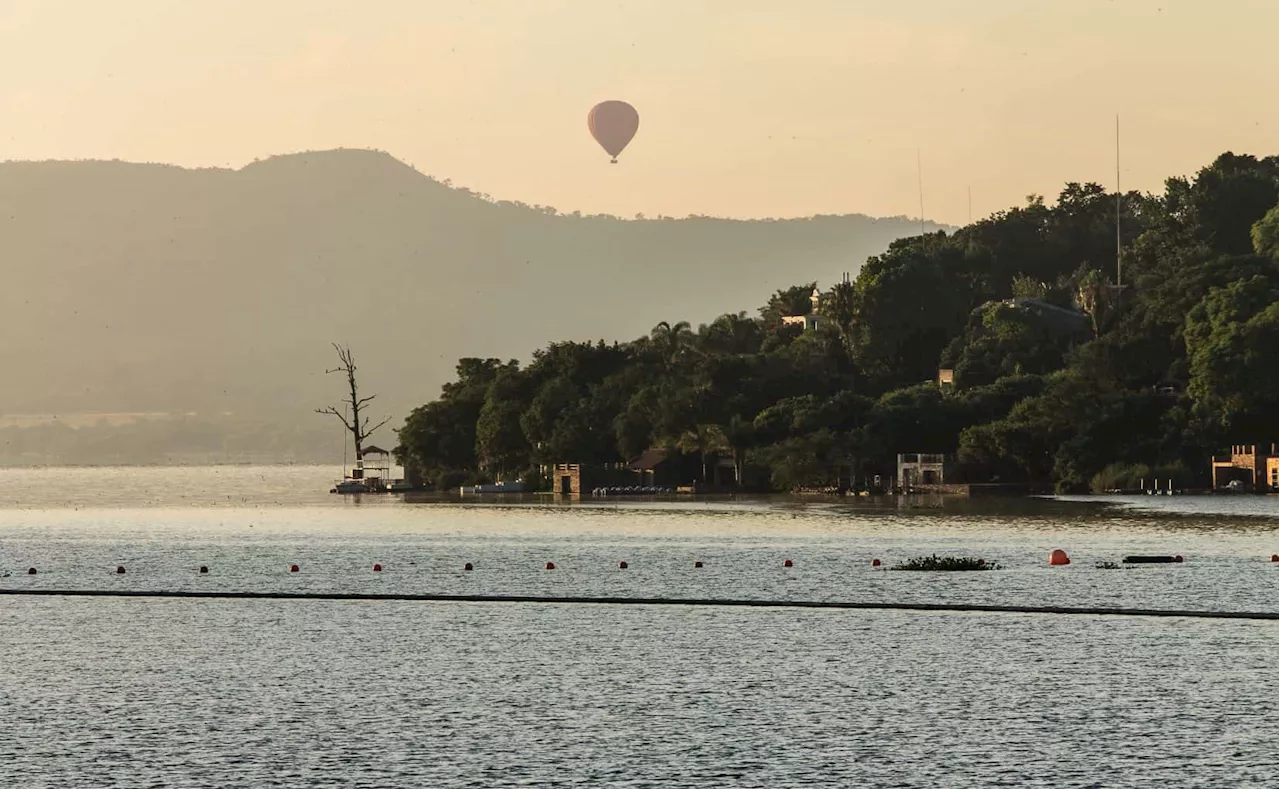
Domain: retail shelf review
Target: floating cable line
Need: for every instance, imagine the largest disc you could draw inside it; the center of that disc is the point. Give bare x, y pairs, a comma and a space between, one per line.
667, 601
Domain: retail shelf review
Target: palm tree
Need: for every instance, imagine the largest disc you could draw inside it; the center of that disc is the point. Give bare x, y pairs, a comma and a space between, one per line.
672, 340
731, 333
840, 306
738, 434
706, 440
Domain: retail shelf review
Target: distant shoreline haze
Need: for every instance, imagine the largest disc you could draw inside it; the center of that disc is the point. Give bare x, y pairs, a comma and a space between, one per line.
154, 288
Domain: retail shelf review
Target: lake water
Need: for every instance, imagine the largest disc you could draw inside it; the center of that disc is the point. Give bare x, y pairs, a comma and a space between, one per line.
149, 692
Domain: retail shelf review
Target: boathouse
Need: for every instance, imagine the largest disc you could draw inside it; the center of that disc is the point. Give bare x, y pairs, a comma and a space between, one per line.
919, 469
1250, 464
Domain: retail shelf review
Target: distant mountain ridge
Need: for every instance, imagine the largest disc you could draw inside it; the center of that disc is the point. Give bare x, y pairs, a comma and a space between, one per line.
146, 287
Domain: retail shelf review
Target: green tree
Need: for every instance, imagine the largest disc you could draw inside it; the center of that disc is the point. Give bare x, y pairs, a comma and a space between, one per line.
440, 437
795, 300
501, 445
1221, 206
804, 461
704, 441
1231, 342
839, 306
673, 342
1266, 236
909, 305
1004, 339
731, 334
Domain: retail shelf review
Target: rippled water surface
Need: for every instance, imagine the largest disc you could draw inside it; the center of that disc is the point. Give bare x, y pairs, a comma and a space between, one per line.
143, 692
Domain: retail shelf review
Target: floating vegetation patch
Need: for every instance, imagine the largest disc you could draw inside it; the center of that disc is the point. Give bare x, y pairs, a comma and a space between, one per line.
946, 563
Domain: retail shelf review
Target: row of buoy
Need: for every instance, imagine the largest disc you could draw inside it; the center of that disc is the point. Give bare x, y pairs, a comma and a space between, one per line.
1058, 558
119, 570
377, 568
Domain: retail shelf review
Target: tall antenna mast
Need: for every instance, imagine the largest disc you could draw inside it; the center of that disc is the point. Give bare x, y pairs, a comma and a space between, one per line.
970, 205
1119, 282
920, 185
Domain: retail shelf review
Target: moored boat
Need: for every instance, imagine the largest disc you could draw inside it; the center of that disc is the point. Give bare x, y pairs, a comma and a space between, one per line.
350, 486
496, 487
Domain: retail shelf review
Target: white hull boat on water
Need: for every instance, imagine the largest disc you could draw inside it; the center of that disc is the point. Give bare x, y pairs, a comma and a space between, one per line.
497, 487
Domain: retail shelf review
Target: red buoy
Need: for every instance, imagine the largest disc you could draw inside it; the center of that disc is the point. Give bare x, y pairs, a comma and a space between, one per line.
875, 562
697, 564
203, 569
293, 568
551, 565
1177, 559
1275, 557
120, 570
377, 568
468, 567
787, 563
1059, 558
622, 565
31, 571
981, 562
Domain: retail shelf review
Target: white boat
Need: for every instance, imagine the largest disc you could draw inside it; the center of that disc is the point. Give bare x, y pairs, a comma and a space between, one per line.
497, 487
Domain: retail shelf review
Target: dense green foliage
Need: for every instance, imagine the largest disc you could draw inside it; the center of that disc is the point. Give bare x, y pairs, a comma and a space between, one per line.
1060, 376
936, 563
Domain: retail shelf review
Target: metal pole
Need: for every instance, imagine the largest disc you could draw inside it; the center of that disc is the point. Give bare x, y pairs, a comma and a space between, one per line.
1119, 254
920, 185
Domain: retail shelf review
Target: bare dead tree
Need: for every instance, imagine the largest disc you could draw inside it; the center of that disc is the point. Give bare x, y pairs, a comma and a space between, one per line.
358, 427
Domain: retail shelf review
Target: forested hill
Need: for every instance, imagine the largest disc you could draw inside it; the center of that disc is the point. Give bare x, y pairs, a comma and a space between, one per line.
156, 289
1060, 375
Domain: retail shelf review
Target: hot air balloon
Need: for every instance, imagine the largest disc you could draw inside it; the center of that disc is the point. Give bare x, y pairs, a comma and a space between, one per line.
613, 124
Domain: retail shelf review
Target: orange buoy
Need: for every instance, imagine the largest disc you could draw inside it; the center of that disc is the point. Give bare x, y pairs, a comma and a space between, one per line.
31, 571
203, 569
1275, 557
468, 567
875, 562
377, 568
1059, 558
120, 570
787, 563
551, 565
622, 565
293, 568
697, 564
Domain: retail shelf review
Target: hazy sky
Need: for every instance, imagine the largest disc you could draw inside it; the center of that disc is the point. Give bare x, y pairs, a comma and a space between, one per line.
748, 107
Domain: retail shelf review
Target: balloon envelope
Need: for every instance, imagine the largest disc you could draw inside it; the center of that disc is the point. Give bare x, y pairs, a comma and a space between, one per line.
613, 124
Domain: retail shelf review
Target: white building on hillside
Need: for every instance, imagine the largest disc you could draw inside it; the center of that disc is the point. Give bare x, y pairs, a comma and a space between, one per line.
811, 321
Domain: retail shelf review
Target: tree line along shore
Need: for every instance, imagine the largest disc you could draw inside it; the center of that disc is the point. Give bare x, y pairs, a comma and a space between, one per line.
1046, 344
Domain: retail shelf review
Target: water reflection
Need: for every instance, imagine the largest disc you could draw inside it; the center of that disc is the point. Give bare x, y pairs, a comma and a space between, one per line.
222, 693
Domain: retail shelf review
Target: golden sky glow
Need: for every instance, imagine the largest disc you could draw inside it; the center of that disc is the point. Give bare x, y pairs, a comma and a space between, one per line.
748, 107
